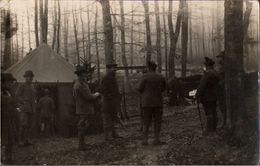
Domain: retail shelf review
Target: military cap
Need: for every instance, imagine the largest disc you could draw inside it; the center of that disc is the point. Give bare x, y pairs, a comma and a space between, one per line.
7, 77
28, 73
208, 61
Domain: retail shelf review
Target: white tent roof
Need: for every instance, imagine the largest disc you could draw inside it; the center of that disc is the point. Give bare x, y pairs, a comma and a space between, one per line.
46, 65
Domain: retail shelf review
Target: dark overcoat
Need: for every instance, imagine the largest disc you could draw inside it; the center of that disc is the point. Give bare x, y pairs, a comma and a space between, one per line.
151, 87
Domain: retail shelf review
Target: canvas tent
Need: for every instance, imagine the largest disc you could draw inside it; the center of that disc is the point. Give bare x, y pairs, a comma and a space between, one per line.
51, 71
46, 65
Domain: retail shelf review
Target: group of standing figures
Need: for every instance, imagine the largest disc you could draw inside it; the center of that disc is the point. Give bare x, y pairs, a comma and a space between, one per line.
151, 88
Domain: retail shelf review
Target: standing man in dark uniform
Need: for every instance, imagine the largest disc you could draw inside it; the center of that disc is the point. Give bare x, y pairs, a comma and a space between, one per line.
84, 103
207, 94
26, 98
110, 101
221, 91
151, 87
8, 130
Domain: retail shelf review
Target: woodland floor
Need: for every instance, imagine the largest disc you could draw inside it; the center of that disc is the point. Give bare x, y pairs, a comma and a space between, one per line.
181, 130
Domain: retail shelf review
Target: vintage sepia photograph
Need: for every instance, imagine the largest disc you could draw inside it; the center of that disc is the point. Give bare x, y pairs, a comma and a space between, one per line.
129, 82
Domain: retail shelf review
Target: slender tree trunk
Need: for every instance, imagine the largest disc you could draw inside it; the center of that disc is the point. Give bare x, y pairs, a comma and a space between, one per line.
158, 36
190, 34
219, 38
96, 41
184, 40
46, 22
173, 37
65, 34
132, 37
234, 65
115, 39
22, 41
89, 39
54, 25
58, 30
29, 30
108, 31
165, 41
83, 35
203, 33
41, 22
36, 23
148, 31
7, 49
17, 45
76, 36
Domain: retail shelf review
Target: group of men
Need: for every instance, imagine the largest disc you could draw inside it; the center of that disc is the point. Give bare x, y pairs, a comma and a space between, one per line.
151, 88
17, 110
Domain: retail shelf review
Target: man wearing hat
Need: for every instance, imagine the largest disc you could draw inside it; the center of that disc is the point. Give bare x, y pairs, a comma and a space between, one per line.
84, 103
207, 94
221, 91
26, 99
151, 87
8, 120
110, 101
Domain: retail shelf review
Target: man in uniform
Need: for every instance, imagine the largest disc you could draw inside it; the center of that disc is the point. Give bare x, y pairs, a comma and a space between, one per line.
8, 130
46, 108
207, 94
151, 87
26, 99
84, 103
221, 91
110, 101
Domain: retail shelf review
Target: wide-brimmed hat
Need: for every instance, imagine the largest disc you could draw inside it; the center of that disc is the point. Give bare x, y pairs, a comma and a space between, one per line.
110, 65
221, 54
7, 77
208, 61
28, 73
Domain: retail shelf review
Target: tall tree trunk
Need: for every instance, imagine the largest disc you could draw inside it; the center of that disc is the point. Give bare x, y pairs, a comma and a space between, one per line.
219, 38
41, 22
76, 36
58, 30
36, 23
234, 65
46, 22
132, 37
22, 41
247, 14
190, 34
184, 39
158, 36
203, 32
173, 37
89, 39
96, 41
117, 59
108, 31
66, 34
29, 30
7, 50
17, 45
54, 25
148, 31
83, 35
165, 41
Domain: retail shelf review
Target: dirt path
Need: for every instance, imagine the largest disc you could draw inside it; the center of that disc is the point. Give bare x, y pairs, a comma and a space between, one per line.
181, 130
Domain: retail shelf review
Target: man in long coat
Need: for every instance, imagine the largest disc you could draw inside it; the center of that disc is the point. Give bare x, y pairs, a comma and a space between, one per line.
151, 87
207, 94
8, 118
26, 99
84, 103
110, 101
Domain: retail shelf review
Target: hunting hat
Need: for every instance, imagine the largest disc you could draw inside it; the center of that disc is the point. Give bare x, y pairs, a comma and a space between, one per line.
221, 54
28, 73
7, 77
151, 65
208, 62
110, 65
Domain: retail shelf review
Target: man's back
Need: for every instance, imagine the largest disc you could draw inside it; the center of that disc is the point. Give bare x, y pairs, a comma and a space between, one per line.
151, 87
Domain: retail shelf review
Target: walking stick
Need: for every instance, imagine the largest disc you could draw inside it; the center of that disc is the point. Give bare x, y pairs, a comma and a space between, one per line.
198, 108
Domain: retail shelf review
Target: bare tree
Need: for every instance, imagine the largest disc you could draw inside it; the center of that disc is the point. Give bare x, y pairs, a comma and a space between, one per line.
89, 40
75, 22
36, 23
190, 33
173, 37
184, 38
148, 31
54, 25
65, 36
132, 38
108, 31
234, 65
41, 21
83, 34
96, 41
29, 30
165, 41
158, 36
58, 30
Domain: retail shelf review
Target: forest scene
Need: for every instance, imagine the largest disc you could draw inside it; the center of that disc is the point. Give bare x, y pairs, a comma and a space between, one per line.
52, 39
